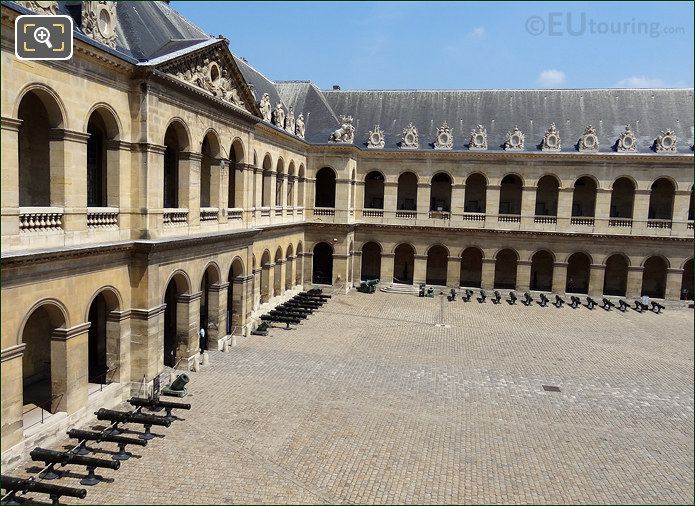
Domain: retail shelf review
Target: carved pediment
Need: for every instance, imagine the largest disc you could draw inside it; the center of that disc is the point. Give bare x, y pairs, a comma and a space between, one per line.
214, 72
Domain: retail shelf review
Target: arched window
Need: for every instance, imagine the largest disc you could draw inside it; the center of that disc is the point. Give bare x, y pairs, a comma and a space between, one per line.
407, 192
279, 179
301, 181
661, 200
277, 272
510, 195
542, 264
206, 172
374, 190
440, 199
622, 198
403, 264
291, 178
475, 195
578, 273
323, 264
173, 327
235, 294
584, 197
325, 188
96, 162
235, 193
547, 196
266, 293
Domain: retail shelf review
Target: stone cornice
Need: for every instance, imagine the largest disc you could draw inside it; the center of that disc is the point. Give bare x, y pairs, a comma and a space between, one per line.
10, 124
65, 334
148, 147
187, 298
61, 134
119, 316
146, 314
12, 352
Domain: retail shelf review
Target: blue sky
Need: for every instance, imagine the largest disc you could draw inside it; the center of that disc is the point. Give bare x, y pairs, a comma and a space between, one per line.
452, 45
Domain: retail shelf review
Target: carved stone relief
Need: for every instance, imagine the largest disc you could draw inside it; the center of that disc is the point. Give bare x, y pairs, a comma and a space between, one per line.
346, 133
589, 140
551, 139
375, 139
410, 140
445, 138
478, 140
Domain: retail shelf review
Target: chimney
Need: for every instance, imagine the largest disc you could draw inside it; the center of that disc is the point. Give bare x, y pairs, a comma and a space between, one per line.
336, 87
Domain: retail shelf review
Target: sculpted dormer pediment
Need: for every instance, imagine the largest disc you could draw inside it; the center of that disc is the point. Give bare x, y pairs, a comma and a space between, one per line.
213, 71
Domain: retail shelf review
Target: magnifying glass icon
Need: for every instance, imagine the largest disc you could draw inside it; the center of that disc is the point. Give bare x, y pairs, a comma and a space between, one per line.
43, 36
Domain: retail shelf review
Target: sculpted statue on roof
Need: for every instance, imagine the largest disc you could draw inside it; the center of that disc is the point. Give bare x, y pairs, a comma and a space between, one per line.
279, 116
289, 121
300, 126
264, 106
346, 133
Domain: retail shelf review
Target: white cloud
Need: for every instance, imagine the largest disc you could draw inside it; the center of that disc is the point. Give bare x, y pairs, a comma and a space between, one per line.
640, 82
476, 33
551, 77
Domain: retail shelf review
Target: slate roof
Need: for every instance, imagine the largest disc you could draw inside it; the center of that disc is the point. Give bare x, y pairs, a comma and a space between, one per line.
649, 111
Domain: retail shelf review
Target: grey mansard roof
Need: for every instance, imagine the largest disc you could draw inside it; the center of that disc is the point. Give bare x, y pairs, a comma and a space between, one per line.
648, 111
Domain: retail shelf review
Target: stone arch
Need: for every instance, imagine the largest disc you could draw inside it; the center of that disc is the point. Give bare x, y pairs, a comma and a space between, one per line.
103, 168
440, 192
289, 267
325, 187
299, 276
301, 180
506, 260
584, 196
374, 190
104, 336
510, 194
235, 316
266, 180
209, 309
291, 178
176, 328
55, 108
176, 141
403, 263
235, 187
43, 364
615, 275
661, 198
542, 265
210, 151
266, 292
578, 273
437, 265
181, 280
654, 276
112, 121
471, 267
322, 259
686, 292
406, 199
39, 157
475, 198
277, 272
547, 195
279, 179
622, 197
371, 261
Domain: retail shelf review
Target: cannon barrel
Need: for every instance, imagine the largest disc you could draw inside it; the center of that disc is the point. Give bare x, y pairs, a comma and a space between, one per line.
287, 314
53, 457
156, 403
318, 295
304, 304
106, 438
130, 417
294, 309
12, 484
318, 299
180, 382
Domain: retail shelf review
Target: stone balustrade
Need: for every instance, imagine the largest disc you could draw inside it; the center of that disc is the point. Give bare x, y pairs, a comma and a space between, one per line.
209, 213
102, 217
235, 214
175, 217
40, 219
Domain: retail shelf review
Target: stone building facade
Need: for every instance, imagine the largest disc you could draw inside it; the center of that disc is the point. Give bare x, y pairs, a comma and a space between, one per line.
156, 183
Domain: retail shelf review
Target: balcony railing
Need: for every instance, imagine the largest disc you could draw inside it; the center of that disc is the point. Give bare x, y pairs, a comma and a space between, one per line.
278, 211
473, 216
373, 213
690, 225
40, 219
582, 220
300, 212
620, 222
653, 223
102, 217
509, 218
408, 215
440, 215
235, 214
209, 213
175, 217
265, 212
324, 211
545, 219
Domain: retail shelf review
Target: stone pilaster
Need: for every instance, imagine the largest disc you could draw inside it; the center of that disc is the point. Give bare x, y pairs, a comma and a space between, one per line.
419, 269
217, 314
559, 277
596, 279
12, 394
68, 153
187, 329
189, 185
146, 343
634, 281
69, 368
523, 274
487, 280
674, 278
387, 260
118, 349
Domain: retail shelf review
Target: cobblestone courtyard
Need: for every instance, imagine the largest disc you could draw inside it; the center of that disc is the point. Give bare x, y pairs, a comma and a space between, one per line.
369, 401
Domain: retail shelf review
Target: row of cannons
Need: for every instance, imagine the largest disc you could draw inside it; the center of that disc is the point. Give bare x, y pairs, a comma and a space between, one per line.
543, 300
293, 311
16, 488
